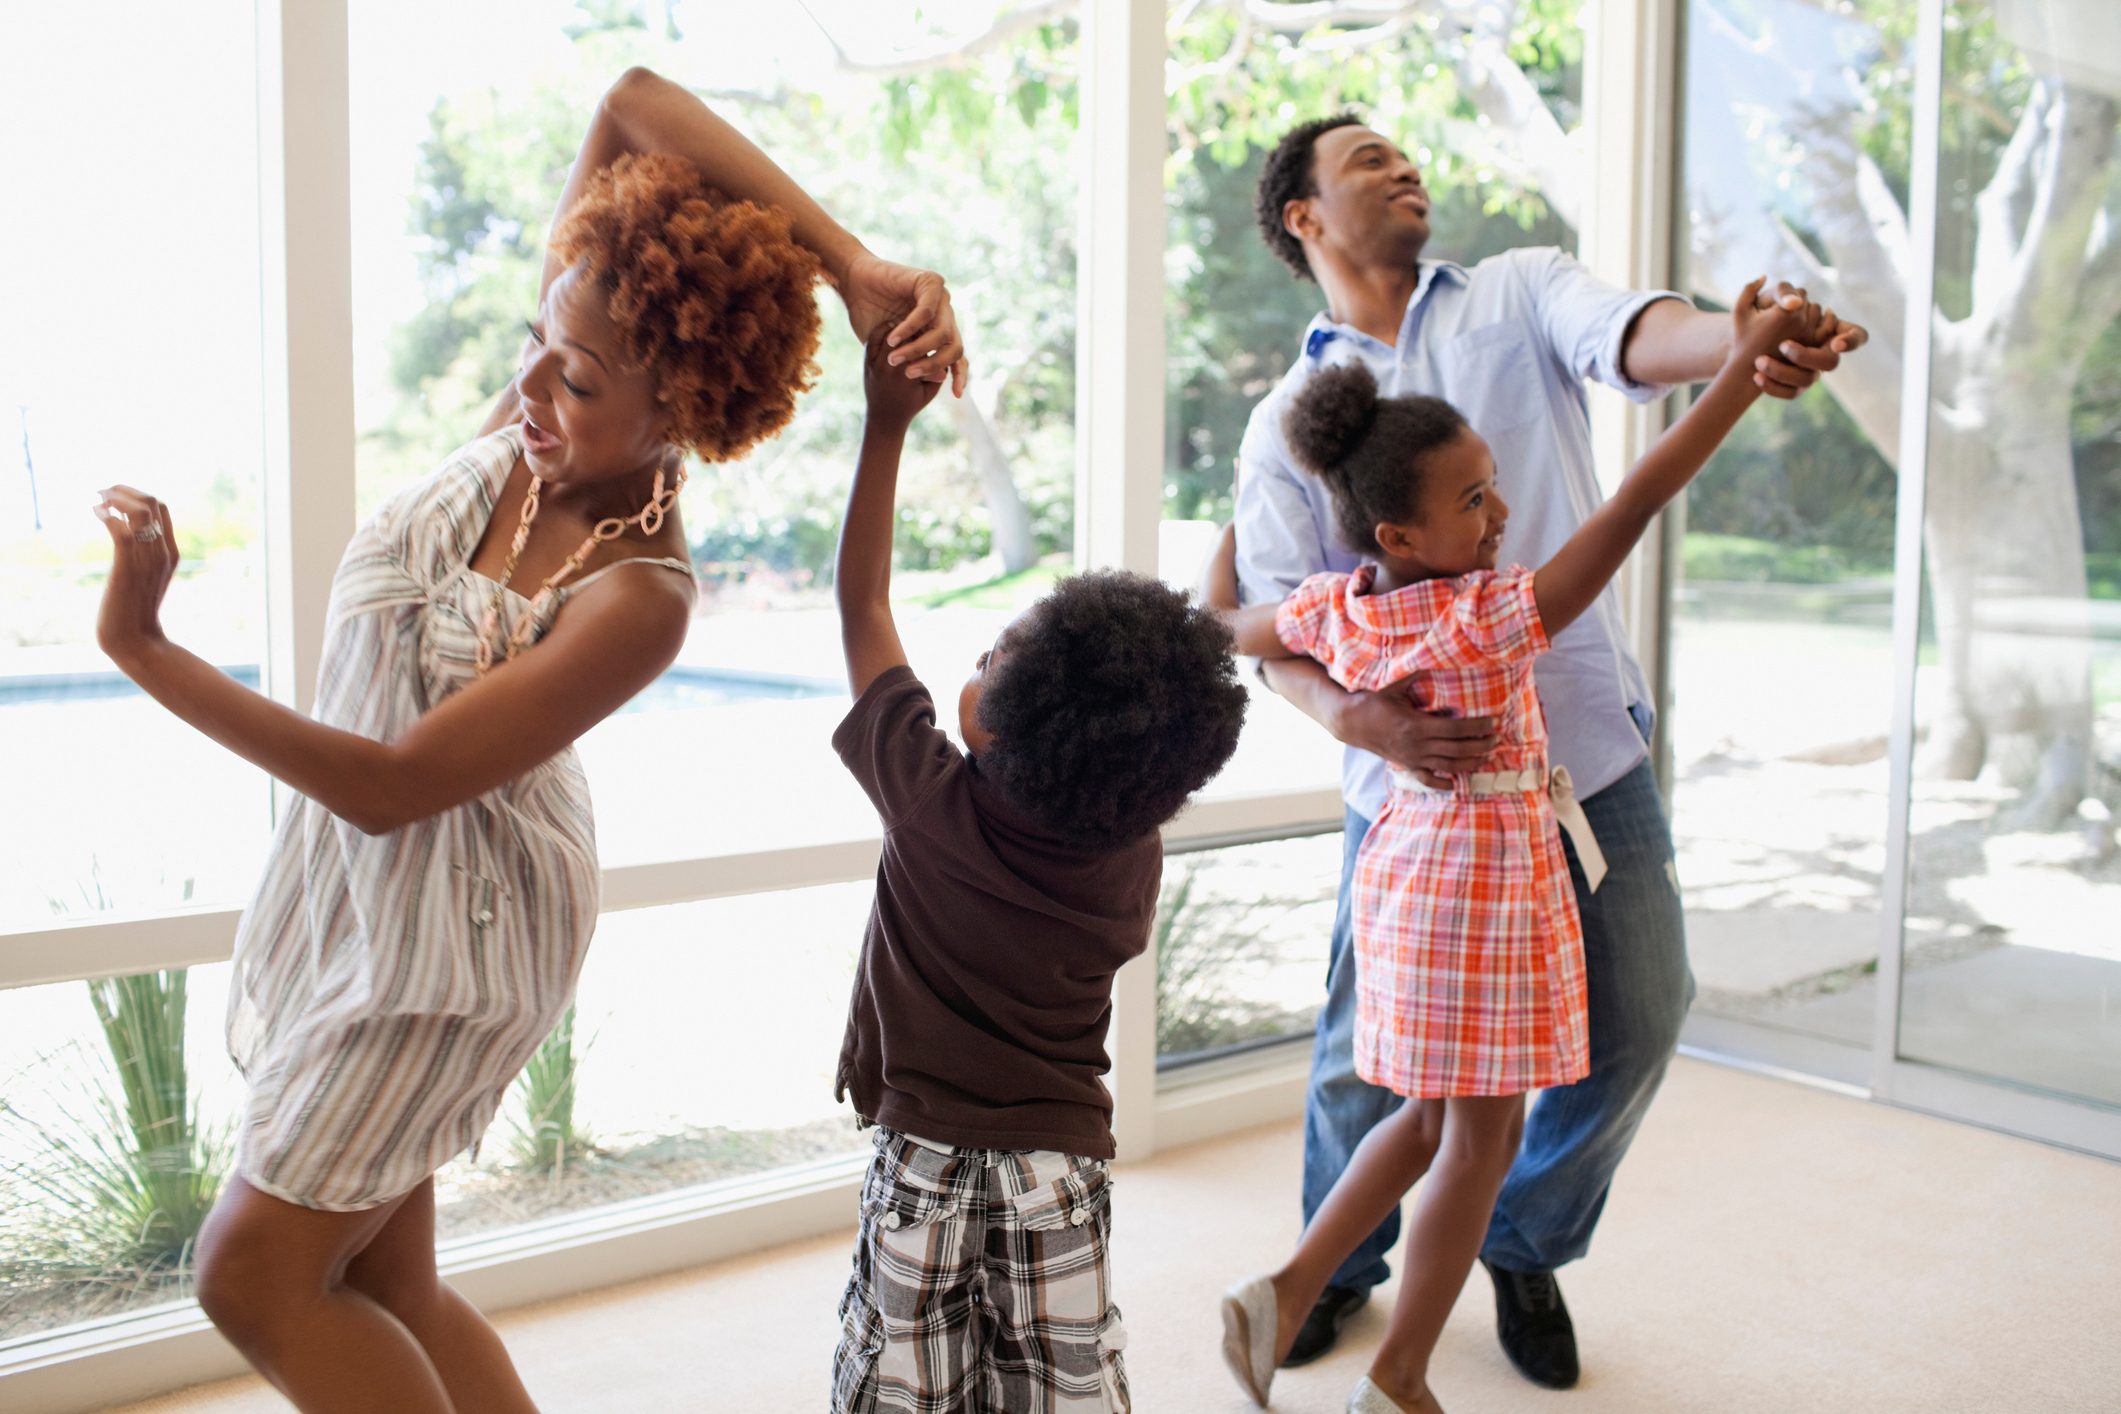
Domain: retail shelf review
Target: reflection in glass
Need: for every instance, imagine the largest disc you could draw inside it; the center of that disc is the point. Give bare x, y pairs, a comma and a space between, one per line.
2018, 705
1781, 665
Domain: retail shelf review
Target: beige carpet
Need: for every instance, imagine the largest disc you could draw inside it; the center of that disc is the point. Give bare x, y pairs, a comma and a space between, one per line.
1769, 1247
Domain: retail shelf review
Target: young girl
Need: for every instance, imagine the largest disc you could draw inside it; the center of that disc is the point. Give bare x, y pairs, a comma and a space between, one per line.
431, 891
1469, 952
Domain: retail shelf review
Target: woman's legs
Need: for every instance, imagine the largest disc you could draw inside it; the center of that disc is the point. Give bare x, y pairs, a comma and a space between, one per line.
271, 1276
396, 1270
1388, 1162
346, 1312
1480, 1138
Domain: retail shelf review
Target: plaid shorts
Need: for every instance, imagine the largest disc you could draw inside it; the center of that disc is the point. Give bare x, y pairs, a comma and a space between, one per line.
981, 1286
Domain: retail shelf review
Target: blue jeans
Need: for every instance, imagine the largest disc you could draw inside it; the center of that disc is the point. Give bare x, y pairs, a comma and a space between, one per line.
1635, 967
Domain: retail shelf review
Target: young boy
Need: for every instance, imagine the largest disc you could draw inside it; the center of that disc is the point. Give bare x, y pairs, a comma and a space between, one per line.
1017, 877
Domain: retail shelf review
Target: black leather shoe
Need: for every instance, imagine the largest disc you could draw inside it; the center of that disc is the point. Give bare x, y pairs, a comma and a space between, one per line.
1533, 1323
1322, 1327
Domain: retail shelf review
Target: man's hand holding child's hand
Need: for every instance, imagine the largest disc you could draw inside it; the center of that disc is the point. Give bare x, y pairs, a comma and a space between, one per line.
1785, 369
894, 399
1761, 328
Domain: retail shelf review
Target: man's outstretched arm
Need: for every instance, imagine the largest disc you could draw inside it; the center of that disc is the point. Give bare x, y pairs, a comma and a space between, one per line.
1670, 342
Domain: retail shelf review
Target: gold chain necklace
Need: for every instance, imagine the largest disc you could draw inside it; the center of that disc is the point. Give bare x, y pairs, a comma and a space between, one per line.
649, 518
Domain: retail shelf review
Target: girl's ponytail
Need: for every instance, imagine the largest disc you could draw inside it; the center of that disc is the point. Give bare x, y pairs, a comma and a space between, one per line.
1331, 417
1368, 450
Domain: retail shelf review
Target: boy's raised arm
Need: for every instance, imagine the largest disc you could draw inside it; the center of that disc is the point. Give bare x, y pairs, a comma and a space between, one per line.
861, 575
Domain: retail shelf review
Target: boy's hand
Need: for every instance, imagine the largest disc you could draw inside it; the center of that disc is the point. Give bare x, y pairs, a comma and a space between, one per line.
911, 308
894, 399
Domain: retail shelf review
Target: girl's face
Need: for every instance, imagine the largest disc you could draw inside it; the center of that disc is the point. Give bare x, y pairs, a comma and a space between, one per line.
586, 418
1462, 514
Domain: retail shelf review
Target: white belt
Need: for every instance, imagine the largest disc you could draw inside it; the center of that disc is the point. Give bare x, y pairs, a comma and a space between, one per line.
1561, 793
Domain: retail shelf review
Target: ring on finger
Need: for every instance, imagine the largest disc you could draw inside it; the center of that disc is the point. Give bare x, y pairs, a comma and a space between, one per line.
147, 534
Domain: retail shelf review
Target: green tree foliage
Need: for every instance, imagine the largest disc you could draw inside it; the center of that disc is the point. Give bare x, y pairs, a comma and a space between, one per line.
966, 166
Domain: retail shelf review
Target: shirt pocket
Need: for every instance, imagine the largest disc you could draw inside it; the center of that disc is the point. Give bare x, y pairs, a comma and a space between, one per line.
1494, 379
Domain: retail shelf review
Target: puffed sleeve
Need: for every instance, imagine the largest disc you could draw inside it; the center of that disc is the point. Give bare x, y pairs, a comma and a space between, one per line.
1493, 619
1313, 620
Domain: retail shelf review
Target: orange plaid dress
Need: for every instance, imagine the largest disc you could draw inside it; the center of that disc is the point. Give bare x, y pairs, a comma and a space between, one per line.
1468, 948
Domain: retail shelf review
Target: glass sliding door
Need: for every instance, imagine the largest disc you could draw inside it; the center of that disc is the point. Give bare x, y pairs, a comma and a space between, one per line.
1896, 675
1781, 675
2012, 963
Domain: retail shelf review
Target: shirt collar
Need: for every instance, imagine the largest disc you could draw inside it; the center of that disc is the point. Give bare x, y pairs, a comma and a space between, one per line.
1324, 329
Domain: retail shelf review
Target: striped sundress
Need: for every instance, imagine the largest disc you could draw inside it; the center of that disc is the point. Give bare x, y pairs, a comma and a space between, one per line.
1468, 948
389, 987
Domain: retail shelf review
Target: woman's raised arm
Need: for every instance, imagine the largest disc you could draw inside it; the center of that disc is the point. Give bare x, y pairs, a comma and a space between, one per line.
644, 112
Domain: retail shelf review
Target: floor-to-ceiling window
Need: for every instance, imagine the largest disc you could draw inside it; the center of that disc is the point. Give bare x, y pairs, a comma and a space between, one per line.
2013, 872
1489, 102
1896, 656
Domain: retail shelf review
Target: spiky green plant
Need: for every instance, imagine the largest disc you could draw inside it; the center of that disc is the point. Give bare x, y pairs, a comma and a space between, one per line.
547, 1138
123, 1163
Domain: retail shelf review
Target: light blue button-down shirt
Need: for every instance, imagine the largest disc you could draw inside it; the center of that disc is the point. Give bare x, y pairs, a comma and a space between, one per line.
1509, 343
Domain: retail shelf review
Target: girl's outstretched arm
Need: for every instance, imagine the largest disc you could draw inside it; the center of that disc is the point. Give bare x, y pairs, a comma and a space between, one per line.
615, 638
1568, 584
644, 112
1253, 627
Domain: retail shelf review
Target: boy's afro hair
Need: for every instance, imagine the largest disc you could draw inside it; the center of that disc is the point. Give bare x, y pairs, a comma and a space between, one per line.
1116, 700
1287, 176
715, 296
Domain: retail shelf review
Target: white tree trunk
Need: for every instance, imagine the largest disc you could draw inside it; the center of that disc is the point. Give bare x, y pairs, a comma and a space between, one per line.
1005, 504
2007, 583
2003, 536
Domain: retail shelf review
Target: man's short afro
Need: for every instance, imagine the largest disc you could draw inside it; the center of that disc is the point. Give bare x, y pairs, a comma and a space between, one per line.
1287, 176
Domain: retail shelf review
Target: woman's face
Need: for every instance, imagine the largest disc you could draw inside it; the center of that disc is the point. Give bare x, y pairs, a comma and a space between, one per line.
585, 417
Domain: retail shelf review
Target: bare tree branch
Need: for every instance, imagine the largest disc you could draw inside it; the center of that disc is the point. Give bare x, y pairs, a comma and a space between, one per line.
1000, 30
1339, 14
2001, 208
1510, 101
2077, 160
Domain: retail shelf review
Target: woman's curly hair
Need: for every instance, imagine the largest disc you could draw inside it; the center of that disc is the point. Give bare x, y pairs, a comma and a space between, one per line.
1116, 700
1370, 451
714, 296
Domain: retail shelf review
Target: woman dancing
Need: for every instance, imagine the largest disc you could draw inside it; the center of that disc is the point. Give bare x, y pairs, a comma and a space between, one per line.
430, 894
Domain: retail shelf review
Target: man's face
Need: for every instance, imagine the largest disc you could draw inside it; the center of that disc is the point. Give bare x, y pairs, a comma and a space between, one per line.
1371, 204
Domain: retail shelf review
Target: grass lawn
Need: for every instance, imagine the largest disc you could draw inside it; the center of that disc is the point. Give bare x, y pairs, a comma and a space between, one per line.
1005, 592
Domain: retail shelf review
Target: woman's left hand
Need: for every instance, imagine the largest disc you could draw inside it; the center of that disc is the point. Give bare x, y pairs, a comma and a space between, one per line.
143, 561
925, 342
